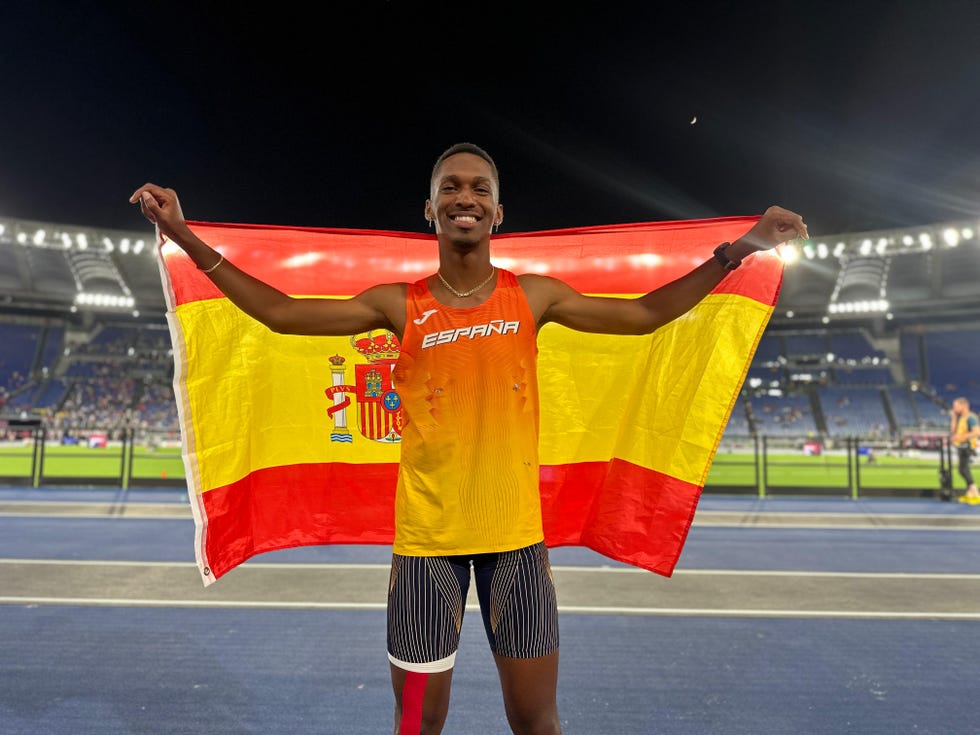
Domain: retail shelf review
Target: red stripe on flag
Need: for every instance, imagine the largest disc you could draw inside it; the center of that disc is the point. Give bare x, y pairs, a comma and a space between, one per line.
298, 505
624, 511
598, 260
637, 516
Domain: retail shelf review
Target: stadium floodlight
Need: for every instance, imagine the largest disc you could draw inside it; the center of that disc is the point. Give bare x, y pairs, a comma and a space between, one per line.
822, 251
104, 301
951, 237
790, 254
865, 248
39, 237
857, 307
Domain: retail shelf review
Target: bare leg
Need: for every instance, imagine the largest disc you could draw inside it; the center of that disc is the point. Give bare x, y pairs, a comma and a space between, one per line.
425, 717
530, 687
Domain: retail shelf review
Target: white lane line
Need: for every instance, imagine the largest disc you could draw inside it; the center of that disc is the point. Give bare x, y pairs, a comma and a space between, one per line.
788, 526
565, 609
129, 515
181, 564
327, 566
563, 569
150, 602
109, 516
752, 516
742, 612
99, 562
733, 516
791, 573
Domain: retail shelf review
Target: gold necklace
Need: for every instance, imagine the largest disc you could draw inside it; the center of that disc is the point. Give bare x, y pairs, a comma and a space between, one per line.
464, 294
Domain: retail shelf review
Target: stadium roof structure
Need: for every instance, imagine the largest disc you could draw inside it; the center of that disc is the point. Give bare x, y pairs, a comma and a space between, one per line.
48, 267
902, 275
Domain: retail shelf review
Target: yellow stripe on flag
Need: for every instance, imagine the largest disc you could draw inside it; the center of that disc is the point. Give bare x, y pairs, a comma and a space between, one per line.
659, 401
262, 402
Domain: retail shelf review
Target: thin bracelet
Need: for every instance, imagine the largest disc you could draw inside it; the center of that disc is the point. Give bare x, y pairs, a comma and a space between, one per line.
221, 259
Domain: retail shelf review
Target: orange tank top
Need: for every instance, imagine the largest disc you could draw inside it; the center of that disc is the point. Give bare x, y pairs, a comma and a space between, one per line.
468, 478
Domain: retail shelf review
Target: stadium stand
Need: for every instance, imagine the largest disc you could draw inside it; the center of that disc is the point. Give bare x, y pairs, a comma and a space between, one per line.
951, 358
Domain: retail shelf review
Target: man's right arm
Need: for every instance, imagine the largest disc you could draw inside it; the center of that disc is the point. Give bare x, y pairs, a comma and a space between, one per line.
380, 307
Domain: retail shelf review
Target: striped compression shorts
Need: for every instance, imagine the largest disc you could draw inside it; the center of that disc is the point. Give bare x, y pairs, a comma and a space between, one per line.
427, 597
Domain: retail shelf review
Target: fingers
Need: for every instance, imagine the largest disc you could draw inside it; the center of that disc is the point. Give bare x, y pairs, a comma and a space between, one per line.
158, 192
787, 224
801, 229
159, 205
149, 206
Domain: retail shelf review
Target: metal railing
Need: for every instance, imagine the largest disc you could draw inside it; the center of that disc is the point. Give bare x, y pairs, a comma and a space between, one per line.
758, 465
842, 467
124, 458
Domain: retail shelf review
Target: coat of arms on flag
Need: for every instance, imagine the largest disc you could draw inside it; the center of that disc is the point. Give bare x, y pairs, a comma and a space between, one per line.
379, 414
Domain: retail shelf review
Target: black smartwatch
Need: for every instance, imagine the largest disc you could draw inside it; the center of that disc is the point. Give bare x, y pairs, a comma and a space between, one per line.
727, 263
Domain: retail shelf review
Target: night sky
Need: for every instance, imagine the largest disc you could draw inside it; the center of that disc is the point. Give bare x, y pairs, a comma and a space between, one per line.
858, 115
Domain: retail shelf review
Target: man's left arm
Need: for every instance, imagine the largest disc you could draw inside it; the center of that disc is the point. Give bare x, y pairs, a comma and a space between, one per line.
564, 305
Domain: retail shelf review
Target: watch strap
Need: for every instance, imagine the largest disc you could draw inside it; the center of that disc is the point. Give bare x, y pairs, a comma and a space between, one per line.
722, 257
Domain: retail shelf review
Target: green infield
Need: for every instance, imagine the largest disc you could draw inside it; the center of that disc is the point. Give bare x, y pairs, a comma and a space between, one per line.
81, 461
783, 470
797, 470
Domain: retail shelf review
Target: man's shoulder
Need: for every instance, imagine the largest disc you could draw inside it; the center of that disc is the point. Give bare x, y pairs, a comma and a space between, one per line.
537, 282
388, 290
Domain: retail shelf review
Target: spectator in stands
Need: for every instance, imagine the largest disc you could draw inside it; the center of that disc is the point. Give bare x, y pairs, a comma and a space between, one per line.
964, 431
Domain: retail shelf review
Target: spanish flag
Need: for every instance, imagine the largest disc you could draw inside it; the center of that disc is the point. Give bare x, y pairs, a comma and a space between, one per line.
294, 440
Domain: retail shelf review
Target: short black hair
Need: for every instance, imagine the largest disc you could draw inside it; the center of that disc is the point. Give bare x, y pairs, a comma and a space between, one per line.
467, 148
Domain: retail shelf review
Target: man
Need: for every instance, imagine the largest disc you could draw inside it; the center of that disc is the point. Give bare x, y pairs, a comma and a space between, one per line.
964, 429
467, 495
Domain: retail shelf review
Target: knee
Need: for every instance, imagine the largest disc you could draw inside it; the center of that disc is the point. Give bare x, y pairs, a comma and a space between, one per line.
538, 723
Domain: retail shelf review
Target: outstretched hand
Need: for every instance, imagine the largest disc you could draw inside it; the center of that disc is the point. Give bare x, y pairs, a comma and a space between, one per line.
162, 208
776, 226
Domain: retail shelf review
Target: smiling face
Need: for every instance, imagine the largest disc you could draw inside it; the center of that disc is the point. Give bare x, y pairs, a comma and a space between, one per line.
463, 200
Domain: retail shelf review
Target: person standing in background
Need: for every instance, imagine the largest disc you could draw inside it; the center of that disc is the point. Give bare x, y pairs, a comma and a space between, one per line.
964, 431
